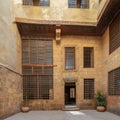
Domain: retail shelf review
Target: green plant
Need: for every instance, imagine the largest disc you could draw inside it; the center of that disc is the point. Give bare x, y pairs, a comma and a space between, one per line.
25, 96
100, 99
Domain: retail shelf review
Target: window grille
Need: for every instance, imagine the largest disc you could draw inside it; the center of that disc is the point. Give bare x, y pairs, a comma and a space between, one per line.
78, 3
36, 2
88, 57
72, 4
88, 88
27, 2
84, 4
44, 2
69, 58
114, 34
114, 82
38, 68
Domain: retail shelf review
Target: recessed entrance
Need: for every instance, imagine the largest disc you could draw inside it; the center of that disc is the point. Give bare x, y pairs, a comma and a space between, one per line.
70, 93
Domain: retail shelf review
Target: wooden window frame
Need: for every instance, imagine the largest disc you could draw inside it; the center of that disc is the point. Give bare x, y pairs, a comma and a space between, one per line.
114, 82
114, 34
74, 67
37, 50
87, 92
88, 59
31, 71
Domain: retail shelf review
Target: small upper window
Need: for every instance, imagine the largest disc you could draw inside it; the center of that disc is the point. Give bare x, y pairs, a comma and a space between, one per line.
69, 58
88, 57
78, 3
36, 2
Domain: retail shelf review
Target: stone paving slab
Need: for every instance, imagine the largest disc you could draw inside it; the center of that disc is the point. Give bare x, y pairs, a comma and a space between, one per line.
65, 115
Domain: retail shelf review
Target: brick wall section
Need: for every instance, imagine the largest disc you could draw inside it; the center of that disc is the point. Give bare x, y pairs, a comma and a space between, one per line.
10, 92
110, 62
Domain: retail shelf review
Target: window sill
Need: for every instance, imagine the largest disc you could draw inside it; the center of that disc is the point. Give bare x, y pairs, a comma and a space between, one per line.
70, 70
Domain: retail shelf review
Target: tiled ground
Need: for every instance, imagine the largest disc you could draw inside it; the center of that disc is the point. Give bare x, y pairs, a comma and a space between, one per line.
65, 115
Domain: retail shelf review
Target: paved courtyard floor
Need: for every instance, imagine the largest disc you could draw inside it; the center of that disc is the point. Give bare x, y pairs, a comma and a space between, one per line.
65, 115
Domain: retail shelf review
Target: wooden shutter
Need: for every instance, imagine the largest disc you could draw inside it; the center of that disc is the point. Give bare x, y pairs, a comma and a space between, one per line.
27, 70
30, 86
48, 52
69, 58
46, 85
36, 2
25, 52
114, 82
88, 88
33, 52
88, 57
41, 52
114, 34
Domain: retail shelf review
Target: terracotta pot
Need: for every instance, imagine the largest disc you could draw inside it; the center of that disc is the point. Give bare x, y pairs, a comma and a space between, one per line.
100, 108
25, 109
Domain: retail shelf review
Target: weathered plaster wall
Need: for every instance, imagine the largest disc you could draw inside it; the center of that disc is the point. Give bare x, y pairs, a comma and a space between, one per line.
10, 62
110, 62
58, 10
10, 42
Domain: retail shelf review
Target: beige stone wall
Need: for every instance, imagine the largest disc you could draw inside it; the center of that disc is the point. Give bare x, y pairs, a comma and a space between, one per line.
10, 92
79, 42
110, 62
58, 10
80, 73
10, 62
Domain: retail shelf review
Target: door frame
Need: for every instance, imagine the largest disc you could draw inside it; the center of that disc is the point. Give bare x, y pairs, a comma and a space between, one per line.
71, 86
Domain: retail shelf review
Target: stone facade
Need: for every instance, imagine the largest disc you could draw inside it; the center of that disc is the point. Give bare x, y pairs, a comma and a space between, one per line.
10, 91
10, 61
79, 73
110, 62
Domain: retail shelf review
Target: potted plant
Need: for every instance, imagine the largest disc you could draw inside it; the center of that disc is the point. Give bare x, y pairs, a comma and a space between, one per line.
25, 107
100, 101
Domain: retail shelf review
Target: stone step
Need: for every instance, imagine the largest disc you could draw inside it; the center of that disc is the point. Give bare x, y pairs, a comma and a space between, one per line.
70, 108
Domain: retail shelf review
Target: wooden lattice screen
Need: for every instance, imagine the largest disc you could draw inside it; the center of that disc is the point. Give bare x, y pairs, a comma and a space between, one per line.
69, 58
114, 34
114, 82
88, 57
37, 68
88, 88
